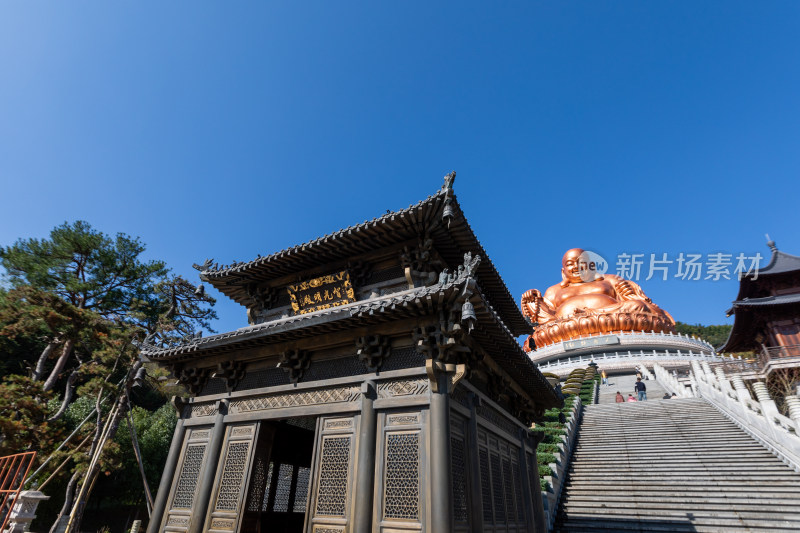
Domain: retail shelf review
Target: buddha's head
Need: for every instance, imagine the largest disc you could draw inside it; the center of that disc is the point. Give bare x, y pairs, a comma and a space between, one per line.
571, 266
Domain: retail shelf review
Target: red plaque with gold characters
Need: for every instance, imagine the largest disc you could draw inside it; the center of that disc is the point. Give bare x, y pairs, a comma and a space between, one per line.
323, 292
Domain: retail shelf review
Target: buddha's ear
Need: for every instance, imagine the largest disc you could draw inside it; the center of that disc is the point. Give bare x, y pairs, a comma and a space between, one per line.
564, 279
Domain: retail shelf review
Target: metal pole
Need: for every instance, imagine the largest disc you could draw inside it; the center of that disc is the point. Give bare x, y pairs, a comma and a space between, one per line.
138, 454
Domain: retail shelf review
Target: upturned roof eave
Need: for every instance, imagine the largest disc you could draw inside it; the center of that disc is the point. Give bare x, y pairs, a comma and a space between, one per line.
507, 353
230, 280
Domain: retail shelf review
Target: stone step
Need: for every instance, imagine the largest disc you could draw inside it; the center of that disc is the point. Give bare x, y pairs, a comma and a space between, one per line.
643, 467
589, 524
746, 499
673, 476
662, 509
672, 444
670, 466
607, 482
744, 452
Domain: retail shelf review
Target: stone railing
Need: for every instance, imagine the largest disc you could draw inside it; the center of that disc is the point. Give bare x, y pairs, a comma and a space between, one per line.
644, 371
632, 358
551, 498
671, 383
633, 339
759, 417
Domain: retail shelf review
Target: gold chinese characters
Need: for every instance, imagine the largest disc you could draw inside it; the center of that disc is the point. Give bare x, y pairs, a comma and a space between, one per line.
323, 292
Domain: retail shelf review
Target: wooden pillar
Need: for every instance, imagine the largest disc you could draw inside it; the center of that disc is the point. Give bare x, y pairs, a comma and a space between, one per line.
365, 479
476, 502
160, 504
439, 493
536, 492
529, 493
200, 507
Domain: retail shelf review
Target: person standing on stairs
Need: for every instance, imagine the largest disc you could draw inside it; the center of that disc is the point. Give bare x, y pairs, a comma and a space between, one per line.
619, 398
641, 390
605, 378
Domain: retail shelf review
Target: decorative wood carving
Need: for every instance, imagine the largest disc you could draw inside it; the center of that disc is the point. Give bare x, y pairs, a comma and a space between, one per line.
230, 371
373, 350
296, 399
419, 264
192, 378
262, 298
295, 362
403, 387
360, 273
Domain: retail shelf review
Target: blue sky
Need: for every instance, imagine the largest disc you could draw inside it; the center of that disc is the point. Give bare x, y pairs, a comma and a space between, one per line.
227, 130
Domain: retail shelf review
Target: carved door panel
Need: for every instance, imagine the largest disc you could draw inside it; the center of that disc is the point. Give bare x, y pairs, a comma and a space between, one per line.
233, 472
401, 469
330, 504
185, 485
501, 484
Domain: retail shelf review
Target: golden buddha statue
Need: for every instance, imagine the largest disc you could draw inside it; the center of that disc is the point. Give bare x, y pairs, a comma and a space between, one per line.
588, 303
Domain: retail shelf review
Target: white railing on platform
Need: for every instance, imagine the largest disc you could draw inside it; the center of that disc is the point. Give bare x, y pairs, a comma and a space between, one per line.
649, 355
632, 338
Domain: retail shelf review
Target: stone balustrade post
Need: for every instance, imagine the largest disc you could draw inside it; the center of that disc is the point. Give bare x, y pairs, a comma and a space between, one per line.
697, 371
793, 404
740, 388
768, 407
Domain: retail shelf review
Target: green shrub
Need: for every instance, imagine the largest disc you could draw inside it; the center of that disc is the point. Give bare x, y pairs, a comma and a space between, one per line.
545, 486
548, 448
544, 458
545, 470
552, 439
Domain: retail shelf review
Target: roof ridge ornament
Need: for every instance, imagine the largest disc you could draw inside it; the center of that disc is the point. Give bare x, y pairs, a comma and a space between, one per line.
464, 270
771, 243
205, 266
448, 212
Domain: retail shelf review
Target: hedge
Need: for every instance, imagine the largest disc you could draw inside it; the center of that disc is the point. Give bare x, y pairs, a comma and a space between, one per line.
544, 458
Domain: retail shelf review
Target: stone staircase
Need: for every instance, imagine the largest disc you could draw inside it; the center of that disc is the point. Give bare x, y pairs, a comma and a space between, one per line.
674, 465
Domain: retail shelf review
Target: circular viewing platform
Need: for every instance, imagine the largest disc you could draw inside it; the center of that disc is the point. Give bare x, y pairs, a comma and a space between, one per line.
623, 351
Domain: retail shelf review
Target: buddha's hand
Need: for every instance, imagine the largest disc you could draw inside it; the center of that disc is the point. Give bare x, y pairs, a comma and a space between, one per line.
531, 295
627, 290
531, 303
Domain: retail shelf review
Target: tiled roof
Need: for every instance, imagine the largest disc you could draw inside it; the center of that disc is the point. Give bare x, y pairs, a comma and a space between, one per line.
491, 332
780, 263
452, 239
782, 299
